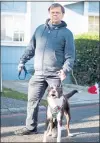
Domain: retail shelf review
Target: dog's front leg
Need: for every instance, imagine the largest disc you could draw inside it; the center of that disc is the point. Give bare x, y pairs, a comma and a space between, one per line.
49, 116
45, 137
59, 123
49, 132
46, 133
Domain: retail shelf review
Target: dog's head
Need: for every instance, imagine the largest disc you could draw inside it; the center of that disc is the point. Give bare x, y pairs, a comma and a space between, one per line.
55, 91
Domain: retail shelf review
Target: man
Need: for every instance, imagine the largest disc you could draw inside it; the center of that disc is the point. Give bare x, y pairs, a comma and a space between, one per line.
52, 47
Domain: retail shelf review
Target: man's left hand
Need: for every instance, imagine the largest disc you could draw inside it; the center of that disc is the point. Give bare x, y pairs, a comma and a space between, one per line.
61, 75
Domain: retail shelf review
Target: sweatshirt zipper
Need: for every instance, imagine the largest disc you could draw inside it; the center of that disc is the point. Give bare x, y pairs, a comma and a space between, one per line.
44, 52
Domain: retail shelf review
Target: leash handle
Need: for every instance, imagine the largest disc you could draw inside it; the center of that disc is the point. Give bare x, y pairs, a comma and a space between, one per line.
25, 71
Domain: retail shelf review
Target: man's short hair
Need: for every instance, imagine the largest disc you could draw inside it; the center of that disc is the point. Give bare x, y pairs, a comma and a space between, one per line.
56, 5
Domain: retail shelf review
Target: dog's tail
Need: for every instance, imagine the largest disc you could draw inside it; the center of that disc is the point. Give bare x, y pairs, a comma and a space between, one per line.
70, 94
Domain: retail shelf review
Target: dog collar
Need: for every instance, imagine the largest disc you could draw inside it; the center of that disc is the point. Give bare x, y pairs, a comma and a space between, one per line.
55, 105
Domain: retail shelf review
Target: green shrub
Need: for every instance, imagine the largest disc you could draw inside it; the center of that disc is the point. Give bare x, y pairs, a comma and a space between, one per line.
86, 69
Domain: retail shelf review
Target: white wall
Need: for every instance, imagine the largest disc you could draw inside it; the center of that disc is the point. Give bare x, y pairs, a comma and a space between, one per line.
77, 19
39, 14
75, 22
28, 23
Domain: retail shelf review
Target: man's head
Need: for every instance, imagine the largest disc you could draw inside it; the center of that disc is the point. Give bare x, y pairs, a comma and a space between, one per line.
56, 12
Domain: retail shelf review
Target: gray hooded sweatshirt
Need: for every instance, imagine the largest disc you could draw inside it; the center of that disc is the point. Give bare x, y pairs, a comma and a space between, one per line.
52, 47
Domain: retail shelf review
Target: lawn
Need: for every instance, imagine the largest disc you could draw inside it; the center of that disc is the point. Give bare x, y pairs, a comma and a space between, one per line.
9, 93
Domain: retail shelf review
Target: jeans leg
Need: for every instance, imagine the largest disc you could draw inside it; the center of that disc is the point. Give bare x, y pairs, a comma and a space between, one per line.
36, 90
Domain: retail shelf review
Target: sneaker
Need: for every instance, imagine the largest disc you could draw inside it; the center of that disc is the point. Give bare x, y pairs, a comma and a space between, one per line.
54, 132
25, 131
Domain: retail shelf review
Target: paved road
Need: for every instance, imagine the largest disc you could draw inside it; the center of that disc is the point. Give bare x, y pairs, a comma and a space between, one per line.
84, 125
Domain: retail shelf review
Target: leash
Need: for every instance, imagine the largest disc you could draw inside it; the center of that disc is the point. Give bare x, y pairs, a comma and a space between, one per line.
93, 89
25, 73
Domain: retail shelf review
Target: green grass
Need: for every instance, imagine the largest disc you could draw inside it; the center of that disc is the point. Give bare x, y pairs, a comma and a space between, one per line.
9, 93
14, 94
43, 102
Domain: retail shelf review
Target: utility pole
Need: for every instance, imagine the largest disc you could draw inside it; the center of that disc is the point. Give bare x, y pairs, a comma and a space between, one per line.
0, 62
0, 72
0, 75
0, 79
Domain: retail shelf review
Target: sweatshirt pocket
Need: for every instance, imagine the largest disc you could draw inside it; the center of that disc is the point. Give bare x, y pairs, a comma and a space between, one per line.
50, 58
59, 57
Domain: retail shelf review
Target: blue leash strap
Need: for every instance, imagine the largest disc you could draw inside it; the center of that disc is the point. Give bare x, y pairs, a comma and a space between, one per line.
25, 71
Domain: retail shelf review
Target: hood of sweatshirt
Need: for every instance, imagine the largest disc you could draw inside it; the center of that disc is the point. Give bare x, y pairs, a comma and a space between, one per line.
55, 26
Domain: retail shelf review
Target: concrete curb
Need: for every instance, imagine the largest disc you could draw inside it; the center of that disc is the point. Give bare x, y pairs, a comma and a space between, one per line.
73, 86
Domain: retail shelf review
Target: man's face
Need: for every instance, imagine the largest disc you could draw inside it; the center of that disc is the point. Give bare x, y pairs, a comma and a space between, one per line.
56, 15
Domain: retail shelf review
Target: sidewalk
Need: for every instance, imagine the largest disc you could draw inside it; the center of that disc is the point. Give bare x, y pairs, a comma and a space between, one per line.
13, 105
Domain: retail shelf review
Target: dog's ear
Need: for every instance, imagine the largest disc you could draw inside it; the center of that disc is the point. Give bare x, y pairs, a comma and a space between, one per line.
48, 89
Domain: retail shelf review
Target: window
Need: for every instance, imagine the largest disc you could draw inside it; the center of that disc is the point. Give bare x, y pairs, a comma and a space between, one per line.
6, 28
18, 36
13, 28
93, 23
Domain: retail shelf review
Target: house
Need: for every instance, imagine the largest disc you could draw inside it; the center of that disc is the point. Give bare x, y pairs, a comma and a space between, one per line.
82, 16
19, 20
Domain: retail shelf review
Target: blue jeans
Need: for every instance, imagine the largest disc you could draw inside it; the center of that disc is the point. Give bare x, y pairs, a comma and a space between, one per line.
36, 89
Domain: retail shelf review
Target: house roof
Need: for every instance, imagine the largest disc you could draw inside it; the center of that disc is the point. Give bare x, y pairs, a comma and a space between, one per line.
65, 2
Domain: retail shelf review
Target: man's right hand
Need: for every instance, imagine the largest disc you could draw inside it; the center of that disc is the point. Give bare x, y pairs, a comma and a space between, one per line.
20, 67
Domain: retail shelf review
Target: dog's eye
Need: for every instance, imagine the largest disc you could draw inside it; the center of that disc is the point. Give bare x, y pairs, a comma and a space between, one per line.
51, 87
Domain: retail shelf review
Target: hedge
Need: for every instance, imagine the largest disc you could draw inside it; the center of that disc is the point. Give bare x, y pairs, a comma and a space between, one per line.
86, 69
